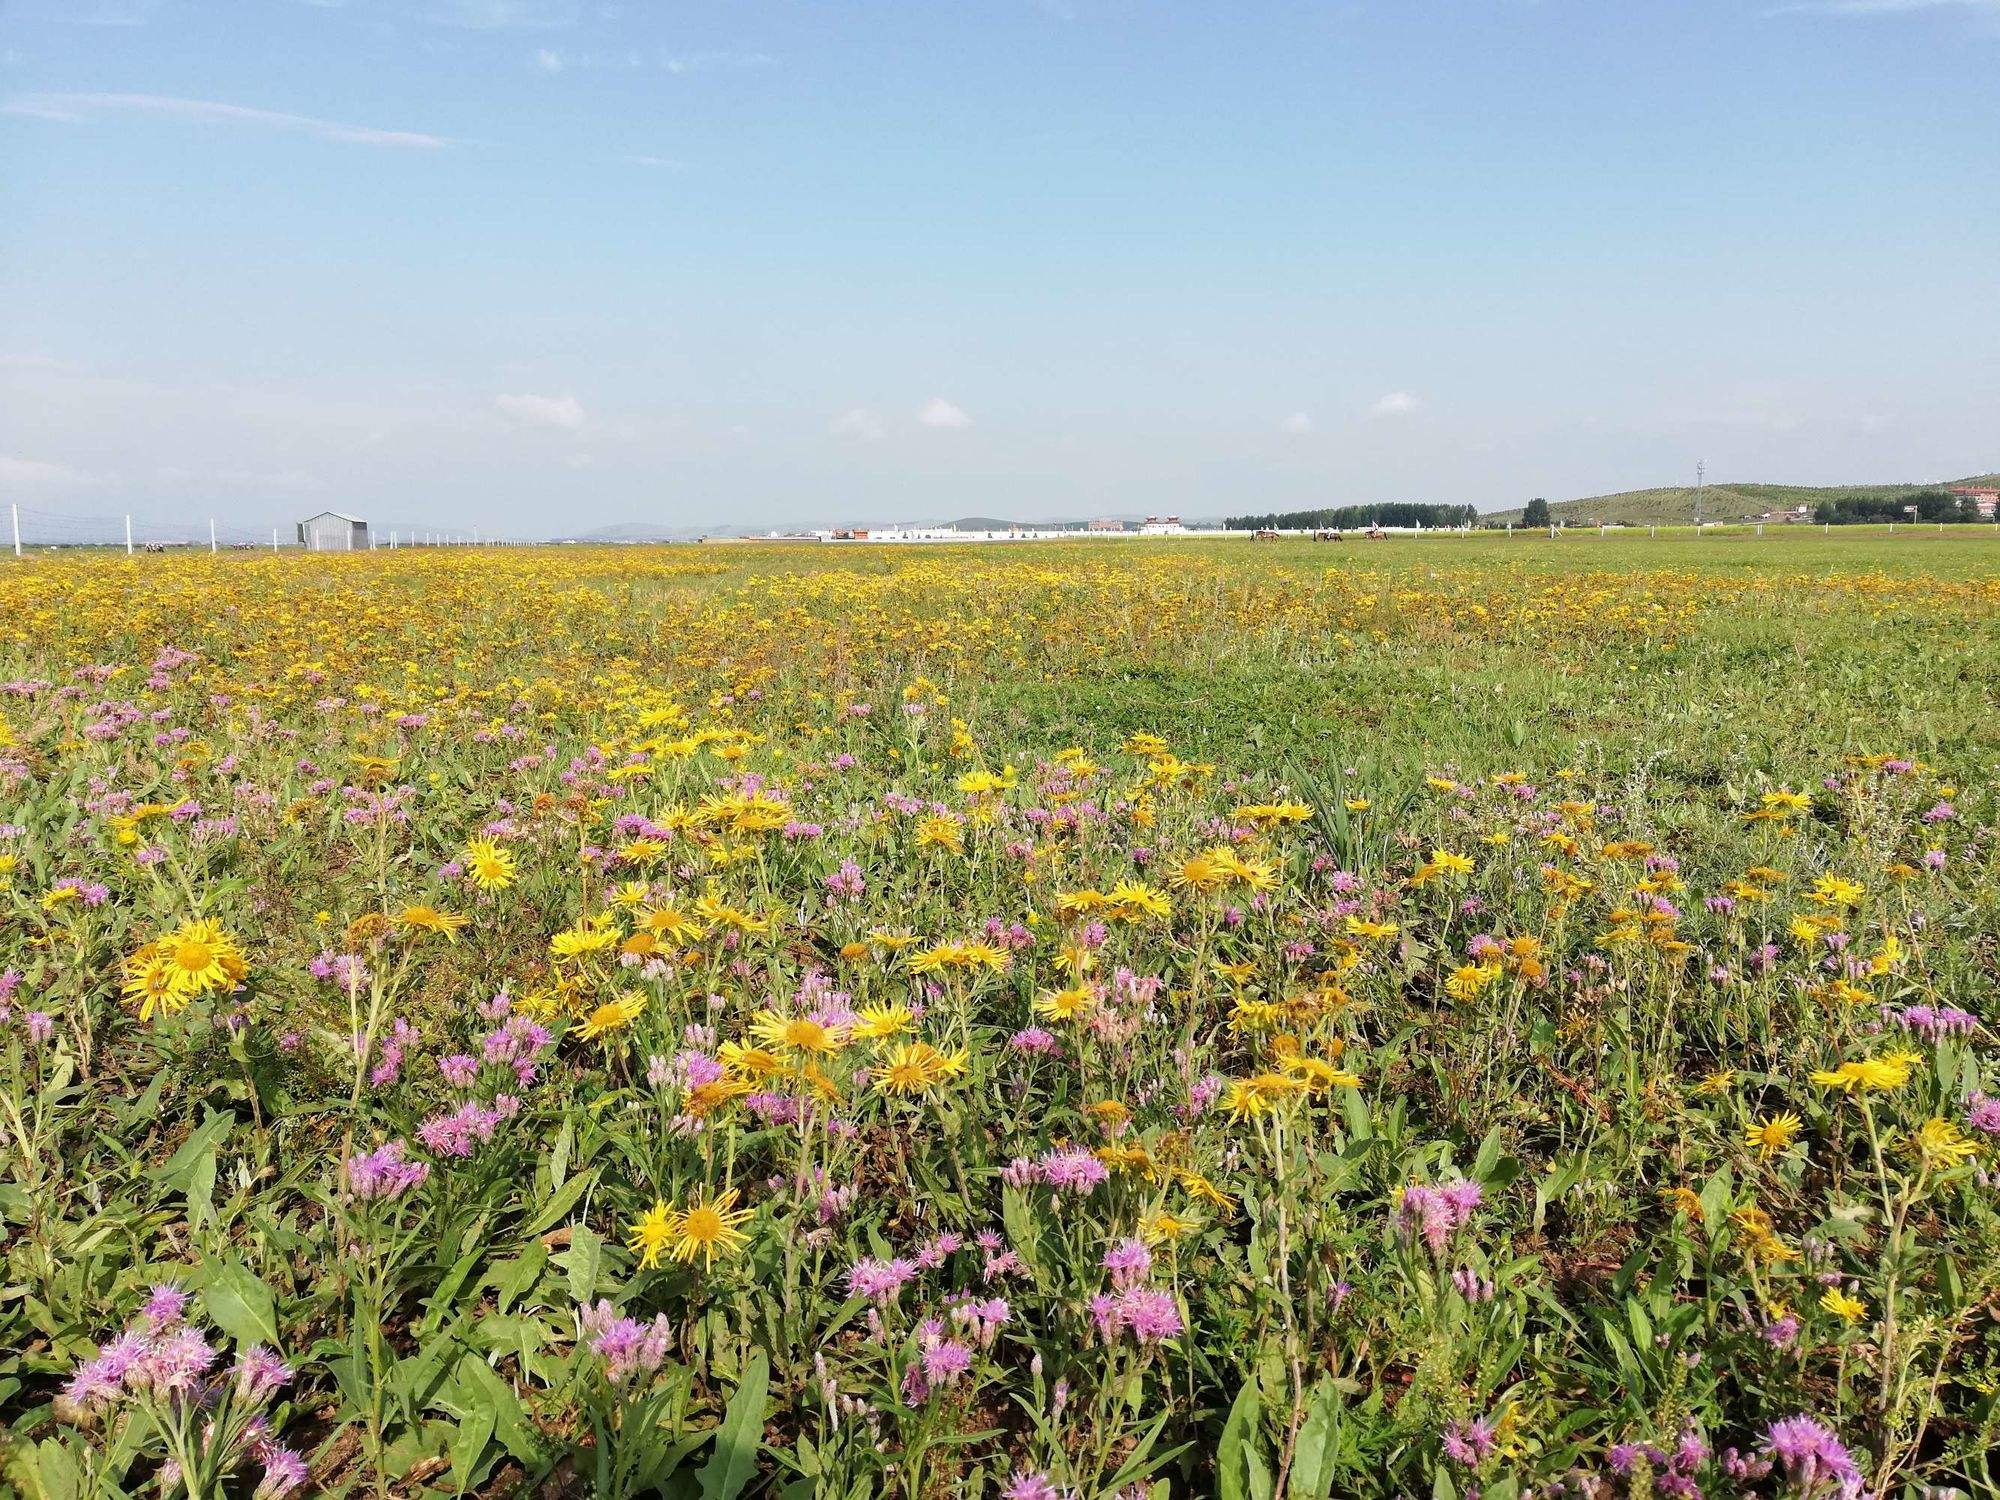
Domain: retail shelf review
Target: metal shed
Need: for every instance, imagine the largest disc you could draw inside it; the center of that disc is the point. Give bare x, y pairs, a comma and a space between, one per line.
331, 531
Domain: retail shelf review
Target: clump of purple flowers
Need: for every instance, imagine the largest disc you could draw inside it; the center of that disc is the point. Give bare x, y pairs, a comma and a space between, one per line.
631, 1350
879, 1281
1814, 1460
456, 1133
941, 1362
383, 1172
1934, 1022
1147, 1313
847, 883
1072, 1169
1470, 1442
1131, 1306
1033, 1484
1672, 1473
209, 1421
1434, 1214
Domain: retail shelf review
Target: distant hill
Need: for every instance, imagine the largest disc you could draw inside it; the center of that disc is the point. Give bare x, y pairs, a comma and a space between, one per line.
993, 523
1674, 505
646, 531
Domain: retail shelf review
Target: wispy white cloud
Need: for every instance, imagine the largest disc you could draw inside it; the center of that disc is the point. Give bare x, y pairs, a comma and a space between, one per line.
1396, 404
710, 62
938, 412
858, 423
505, 15
109, 13
629, 60
289, 481
640, 159
77, 107
1297, 422
41, 474
1878, 7
36, 108
565, 412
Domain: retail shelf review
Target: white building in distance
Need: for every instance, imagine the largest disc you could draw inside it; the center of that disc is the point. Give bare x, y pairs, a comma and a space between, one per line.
331, 531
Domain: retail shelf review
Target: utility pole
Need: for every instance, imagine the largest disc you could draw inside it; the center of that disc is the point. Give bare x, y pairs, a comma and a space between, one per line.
128, 536
211, 536
16, 509
274, 539
1700, 482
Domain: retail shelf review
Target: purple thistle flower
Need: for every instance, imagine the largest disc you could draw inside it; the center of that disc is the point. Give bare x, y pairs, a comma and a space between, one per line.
1033, 1484
1129, 1262
945, 1361
284, 1471
260, 1374
1469, 1442
1813, 1457
165, 1307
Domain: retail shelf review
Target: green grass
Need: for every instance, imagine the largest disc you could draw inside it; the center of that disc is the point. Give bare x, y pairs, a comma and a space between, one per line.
1675, 504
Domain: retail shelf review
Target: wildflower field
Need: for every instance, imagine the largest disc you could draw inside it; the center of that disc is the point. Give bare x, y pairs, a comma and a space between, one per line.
1471, 1016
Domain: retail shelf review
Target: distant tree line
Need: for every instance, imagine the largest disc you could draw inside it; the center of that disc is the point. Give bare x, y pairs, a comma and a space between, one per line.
1342, 517
1872, 510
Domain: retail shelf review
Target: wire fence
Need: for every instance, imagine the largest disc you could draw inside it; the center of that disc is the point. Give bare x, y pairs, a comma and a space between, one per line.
31, 529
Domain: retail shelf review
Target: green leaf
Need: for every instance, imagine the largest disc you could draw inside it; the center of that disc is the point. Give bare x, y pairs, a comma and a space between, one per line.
1313, 1456
559, 1158
519, 1275
440, 1301
1489, 1156
1018, 1219
1354, 1110
1716, 1194
55, 1471
561, 1203
242, 1306
478, 1386
1239, 1434
177, 1172
734, 1463
468, 1442
583, 1260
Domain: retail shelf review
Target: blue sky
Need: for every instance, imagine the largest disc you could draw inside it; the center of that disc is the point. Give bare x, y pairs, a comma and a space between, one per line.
538, 265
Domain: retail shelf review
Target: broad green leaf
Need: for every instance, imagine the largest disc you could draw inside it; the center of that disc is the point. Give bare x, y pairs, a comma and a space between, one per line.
734, 1463
1313, 1457
1239, 1433
242, 1306
176, 1172
468, 1442
583, 1260
558, 1205
519, 1275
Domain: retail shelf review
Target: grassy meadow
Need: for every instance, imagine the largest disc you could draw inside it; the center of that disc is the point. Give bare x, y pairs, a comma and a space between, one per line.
1461, 1016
